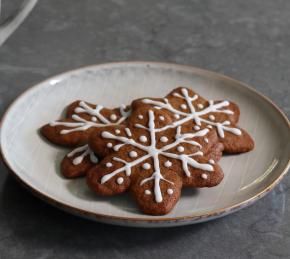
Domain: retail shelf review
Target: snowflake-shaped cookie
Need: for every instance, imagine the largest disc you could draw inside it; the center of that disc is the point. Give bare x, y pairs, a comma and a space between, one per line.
222, 116
154, 157
81, 120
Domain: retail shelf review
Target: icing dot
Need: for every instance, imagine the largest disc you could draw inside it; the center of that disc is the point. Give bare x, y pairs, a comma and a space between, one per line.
117, 131
77, 160
143, 138
200, 106
78, 109
226, 123
211, 161
140, 116
211, 117
163, 139
196, 127
161, 118
198, 153
209, 126
94, 119
109, 145
204, 176
133, 154
183, 106
177, 116
113, 117
206, 140
169, 191
168, 163
109, 164
147, 192
180, 148
120, 180
146, 166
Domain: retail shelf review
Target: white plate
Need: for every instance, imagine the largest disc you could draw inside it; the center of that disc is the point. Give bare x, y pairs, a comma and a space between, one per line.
35, 163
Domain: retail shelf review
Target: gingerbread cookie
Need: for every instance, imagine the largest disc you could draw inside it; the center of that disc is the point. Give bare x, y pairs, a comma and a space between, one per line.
81, 120
77, 162
222, 116
153, 157
168, 143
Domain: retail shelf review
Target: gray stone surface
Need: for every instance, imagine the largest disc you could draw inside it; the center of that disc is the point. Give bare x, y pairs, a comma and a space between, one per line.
247, 40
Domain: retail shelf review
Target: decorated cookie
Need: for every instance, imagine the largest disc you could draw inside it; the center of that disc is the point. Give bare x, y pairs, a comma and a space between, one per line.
222, 116
81, 159
81, 120
153, 150
77, 162
153, 156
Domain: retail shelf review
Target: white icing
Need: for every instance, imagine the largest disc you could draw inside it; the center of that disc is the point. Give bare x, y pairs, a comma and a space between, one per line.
143, 138
153, 152
169, 191
85, 151
209, 126
109, 164
117, 147
204, 176
146, 166
183, 106
147, 192
197, 116
198, 153
97, 120
176, 116
211, 117
161, 118
113, 117
196, 127
180, 148
109, 145
168, 164
211, 161
164, 139
133, 154
117, 131
206, 140
140, 116
128, 132
120, 180
200, 106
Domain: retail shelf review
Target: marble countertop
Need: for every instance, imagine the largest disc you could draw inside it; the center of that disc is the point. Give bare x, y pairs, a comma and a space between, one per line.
247, 40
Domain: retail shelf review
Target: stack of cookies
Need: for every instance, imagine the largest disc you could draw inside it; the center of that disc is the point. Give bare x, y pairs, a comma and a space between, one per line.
152, 148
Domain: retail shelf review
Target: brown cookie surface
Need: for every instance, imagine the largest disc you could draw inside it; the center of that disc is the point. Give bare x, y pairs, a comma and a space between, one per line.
77, 162
222, 116
82, 119
153, 156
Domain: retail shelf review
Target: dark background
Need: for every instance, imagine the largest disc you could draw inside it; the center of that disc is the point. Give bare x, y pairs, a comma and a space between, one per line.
247, 40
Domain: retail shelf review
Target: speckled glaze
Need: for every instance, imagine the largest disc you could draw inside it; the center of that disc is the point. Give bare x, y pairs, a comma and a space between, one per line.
248, 177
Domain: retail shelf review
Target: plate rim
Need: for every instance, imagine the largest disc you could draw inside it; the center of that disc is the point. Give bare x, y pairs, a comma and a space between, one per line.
189, 219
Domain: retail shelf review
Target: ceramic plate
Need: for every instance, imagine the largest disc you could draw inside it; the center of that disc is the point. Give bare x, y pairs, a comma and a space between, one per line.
35, 162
